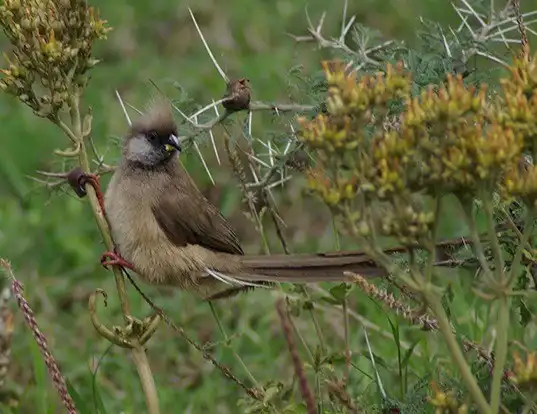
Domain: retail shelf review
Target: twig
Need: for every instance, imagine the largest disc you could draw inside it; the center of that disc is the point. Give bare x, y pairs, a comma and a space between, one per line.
277, 107
362, 54
252, 392
492, 29
522, 29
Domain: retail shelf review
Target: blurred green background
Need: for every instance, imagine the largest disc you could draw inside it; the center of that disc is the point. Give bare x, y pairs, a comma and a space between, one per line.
54, 246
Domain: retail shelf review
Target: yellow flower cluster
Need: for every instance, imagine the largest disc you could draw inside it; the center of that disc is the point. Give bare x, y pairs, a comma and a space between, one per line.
408, 224
452, 138
349, 104
521, 182
52, 45
518, 109
331, 192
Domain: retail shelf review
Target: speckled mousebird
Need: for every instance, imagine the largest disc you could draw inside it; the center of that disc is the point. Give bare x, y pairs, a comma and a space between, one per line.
170, 234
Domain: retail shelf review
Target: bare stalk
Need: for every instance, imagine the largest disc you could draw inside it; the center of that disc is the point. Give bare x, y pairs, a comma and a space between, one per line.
146, 378
502, 324
456, 353
53, 369
502, 327
307, 395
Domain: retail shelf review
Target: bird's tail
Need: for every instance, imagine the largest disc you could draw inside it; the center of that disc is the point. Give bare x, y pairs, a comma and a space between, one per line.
307, 268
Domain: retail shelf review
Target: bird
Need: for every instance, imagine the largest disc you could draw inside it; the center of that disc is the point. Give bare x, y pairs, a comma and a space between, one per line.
167, 232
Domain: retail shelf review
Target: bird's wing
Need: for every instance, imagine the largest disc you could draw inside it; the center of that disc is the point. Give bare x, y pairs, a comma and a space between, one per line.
187, 217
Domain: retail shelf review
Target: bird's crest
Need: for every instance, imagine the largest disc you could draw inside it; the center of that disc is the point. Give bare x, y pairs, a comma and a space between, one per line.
158, 117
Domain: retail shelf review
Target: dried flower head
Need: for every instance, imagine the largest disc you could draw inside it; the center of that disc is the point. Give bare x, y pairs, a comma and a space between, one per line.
52, 46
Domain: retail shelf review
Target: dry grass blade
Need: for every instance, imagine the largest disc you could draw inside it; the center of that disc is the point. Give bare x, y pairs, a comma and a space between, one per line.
52, 366
305, 390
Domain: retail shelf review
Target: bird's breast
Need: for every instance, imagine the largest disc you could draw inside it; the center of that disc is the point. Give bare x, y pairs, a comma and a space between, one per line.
140, 240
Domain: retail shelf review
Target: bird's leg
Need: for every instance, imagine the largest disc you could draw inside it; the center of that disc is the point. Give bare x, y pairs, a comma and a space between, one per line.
114, 258
77, 180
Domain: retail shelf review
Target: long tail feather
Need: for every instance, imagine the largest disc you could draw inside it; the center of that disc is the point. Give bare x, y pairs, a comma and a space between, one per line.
327, 267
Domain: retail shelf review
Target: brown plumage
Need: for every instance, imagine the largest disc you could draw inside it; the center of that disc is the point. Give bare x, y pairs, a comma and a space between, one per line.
171, 235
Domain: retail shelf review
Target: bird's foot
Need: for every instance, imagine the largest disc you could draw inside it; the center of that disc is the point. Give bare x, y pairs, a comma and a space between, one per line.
78, 179
114, 259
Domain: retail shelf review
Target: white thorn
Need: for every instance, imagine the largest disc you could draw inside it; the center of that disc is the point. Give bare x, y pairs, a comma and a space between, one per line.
135, 109
216, 65
123, 108
277, 183
207, 107
212, 139
203, 159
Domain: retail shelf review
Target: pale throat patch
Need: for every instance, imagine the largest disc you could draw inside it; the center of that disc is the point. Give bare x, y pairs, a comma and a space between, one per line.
140, 150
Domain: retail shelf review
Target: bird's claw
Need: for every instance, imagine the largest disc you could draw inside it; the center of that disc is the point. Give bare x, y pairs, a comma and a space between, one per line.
77, 180
114, 259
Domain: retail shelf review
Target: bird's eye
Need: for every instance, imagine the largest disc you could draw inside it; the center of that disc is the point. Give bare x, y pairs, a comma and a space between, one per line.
153, 135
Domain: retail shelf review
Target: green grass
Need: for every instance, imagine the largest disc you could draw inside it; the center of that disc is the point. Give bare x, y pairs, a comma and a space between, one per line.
54, 245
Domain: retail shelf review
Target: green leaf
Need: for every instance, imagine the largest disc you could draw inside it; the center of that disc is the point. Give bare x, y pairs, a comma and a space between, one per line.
409, 352
525, 313
339, 292
378, 360
330, 300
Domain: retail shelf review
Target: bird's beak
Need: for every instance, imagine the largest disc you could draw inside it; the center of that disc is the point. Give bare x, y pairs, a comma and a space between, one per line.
173, 144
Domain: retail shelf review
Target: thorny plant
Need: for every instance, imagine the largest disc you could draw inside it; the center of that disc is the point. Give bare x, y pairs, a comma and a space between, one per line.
451, 140
376, 145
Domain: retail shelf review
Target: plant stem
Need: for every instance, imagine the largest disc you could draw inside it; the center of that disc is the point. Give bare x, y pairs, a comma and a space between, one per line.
500, 352
138, 352
347, 341
476, 241
496, 249
337, 243
502, 326
432, 248
146, 378
528, 227
456, 353
105, 232
337, 246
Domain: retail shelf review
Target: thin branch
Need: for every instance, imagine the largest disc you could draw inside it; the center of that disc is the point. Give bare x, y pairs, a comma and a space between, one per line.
252, 392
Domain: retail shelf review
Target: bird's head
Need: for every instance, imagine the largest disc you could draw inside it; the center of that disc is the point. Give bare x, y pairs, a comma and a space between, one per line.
153, 139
